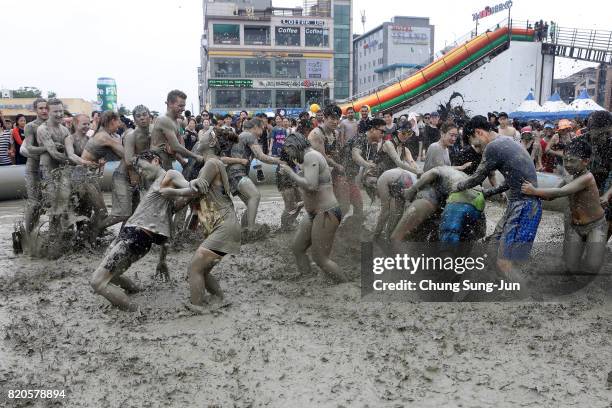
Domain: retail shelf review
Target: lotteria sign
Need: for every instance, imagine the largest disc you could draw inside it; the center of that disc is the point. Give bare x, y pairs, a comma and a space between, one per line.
487, 11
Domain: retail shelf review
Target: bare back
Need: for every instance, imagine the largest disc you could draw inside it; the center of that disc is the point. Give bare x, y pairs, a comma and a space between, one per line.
323, 197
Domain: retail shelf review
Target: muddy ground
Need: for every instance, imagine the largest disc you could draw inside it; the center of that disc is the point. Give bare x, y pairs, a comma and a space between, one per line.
291, 341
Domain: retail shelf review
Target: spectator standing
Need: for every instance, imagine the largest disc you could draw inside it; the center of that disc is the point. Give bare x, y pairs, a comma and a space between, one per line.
191, 135
17, 136
431, 132
390, 127
364, 119
7, 150
347, 129
278, 136
506, 129
533, 148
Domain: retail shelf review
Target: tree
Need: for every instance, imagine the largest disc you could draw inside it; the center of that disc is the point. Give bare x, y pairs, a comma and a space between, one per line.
51, 94
27, 92
124, 111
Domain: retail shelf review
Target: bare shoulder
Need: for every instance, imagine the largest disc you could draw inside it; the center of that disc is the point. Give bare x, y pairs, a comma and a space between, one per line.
164, 122
315, 134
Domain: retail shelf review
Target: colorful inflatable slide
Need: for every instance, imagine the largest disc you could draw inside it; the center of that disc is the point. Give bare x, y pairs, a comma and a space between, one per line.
440, 69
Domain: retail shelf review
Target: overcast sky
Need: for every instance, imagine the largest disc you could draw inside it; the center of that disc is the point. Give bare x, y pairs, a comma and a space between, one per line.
152, 46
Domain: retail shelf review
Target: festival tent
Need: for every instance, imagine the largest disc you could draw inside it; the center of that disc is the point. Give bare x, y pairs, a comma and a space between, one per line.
583, 105
555, 108
529, 109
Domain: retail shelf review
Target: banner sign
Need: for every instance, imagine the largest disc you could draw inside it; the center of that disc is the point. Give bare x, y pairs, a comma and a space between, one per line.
317, 69
230, 83
298, 21
290, 83
489, 10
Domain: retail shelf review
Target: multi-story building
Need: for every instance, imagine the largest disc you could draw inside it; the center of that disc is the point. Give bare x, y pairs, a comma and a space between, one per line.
596, 80
262, 58
343, 49
390, 51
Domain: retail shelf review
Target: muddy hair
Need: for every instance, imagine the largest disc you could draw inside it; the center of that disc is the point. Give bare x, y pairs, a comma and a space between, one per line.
298, 141
37, 101
140, 108
304, 126
107, 117
580, 148
332, 111
54, 101
600, 120
226, 134
251, 123
148, 155
174, 95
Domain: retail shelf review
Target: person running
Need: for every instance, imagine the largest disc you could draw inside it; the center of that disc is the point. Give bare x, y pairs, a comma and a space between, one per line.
247, 148
318, 228
166, 131
517, 228
217, 216
390, 186
150, 224
32, 151
584, 246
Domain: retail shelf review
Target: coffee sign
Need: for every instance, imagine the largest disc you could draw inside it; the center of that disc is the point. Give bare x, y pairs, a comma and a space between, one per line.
299, 21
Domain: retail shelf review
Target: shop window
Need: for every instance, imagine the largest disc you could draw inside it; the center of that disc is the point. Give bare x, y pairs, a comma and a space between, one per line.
288, 36
256, 35
226, 34
258, 68
316, 37
288, 98
228, 98
226, 68
288, 68
258, 98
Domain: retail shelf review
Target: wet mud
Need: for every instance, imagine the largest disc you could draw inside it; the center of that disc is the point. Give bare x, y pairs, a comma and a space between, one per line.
287, 339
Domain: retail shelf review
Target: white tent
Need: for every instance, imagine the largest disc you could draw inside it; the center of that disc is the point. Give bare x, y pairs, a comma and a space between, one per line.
555, 104
584, 104
528, 109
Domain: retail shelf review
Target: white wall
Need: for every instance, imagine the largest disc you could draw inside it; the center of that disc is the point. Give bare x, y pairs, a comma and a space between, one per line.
499, 85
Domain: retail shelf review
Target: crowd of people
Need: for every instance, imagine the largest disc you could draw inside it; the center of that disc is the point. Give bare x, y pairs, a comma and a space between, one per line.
323, 161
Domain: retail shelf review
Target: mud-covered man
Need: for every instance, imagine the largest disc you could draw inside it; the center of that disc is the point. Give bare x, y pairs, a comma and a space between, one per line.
52, 135
166, 131
32, 150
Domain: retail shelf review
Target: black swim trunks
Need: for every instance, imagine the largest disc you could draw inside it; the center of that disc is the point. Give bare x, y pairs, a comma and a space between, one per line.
336, 211
138, 241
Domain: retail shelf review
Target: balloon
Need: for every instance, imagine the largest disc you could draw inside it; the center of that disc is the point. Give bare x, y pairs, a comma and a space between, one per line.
314, 108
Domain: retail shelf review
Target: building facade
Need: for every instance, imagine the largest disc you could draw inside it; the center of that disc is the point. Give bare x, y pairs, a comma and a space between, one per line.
12, 107
596, 80
343, 49
260, 58
390, 51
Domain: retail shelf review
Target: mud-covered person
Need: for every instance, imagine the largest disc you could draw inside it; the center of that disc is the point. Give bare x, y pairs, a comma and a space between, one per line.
599, 135
517, 228
32, 150
292, 198
324, 139
390, 186
51, 135
83, 176
104, 144
247, 147
150, 224
217, 217
584, 246
166, 131
317, 230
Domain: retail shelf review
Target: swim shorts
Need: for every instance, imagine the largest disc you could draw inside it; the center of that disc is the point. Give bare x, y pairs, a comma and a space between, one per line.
460, 222
517, 228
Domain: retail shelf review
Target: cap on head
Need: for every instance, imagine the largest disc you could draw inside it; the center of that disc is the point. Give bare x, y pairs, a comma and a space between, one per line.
526, 132
434, 114
549, 126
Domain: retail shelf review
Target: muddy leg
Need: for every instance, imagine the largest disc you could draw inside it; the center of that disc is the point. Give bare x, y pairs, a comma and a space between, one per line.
414, 215
291, 211
199, 275
301, 242
116, 261
342, 193
324, 229
252, 196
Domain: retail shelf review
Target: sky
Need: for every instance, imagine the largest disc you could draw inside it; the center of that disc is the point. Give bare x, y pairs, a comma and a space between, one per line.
152, 46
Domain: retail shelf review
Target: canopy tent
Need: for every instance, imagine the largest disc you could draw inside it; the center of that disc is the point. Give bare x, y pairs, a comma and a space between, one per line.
529, 109
583, 105
555, 105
